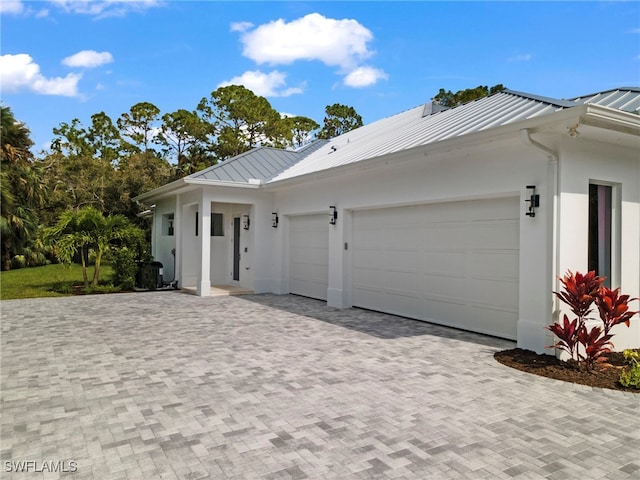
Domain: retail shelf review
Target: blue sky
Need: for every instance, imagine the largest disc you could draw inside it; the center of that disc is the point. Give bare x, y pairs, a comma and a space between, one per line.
68, 59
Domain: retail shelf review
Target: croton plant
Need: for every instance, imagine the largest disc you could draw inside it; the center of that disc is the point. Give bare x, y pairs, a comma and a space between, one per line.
580, 292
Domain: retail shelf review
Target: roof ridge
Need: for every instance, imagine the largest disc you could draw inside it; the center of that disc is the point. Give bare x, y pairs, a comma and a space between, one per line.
539, 98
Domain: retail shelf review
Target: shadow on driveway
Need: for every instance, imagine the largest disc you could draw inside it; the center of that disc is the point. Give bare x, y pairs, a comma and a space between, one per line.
376, 324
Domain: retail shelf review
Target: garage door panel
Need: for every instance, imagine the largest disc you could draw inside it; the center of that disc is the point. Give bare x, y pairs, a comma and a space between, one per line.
461, 259
499, 235
499, 264
443, 285
438, 262
309, 256
449, 237
503, 295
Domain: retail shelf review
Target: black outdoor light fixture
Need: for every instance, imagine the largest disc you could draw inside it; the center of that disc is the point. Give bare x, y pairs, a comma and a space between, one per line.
533, 200
333, 215
245, 222
274, 219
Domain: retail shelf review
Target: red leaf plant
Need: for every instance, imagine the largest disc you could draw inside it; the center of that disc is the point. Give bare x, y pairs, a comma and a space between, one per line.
595, 344
579, 293
613, 308
567, 333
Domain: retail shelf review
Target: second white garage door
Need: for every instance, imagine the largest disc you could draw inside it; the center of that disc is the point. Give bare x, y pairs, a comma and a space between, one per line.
451, 263
309, 255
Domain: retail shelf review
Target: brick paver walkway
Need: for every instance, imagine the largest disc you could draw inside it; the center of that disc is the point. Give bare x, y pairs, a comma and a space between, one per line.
166, 385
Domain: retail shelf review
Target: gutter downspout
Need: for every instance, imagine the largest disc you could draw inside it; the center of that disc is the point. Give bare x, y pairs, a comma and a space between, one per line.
554, 180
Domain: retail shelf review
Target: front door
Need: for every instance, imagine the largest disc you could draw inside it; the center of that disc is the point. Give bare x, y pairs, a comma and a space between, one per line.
236, 249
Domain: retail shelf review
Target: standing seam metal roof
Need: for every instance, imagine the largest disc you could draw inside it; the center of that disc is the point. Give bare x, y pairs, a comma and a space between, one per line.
411, 128
261, 163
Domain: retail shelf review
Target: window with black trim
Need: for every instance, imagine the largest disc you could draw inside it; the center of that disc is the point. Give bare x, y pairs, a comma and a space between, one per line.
600, 225
217, 225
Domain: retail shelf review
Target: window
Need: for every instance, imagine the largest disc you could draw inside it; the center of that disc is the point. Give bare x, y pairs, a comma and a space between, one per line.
217, 222
600, 226
167, 224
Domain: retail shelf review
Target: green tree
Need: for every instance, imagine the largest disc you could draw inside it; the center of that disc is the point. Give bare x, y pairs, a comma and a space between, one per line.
300, 129
182, 133
239, 120
140, 124
21, 188
446, 98
136, 174
87, 228
81, 165
339, 119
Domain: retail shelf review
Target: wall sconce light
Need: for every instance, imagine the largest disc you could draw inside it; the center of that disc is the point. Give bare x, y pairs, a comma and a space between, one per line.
245, 222
274, 219
333, 215
533, 200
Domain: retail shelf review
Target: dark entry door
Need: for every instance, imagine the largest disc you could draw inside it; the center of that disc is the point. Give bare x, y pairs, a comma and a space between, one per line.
236, 249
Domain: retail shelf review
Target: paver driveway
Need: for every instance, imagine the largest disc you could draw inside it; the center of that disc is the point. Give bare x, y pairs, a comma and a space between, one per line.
168, 385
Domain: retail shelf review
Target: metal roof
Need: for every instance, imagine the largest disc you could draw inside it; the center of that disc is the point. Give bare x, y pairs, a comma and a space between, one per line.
261, 163
422, 126
626, 99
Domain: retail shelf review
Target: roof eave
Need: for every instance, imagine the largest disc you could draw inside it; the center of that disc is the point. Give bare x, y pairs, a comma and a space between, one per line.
611, 119
161, 191
184, 183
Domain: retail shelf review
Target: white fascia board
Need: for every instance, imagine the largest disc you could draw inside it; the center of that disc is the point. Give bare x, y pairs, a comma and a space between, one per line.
185, 184
611, 119
162, 191
219, 183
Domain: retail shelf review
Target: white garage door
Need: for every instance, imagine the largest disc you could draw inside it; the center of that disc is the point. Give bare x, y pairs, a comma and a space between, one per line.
452, 263
309, 255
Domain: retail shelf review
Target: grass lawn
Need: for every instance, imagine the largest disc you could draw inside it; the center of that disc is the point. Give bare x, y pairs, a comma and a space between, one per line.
39, 281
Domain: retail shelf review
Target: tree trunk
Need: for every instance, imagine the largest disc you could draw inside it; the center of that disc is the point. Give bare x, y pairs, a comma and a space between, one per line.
85, 278
96, 269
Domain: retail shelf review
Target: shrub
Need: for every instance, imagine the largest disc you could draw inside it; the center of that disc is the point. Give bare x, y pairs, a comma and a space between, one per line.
19, 261
62, 287
124, 267
101, 289
580, 292
631, 377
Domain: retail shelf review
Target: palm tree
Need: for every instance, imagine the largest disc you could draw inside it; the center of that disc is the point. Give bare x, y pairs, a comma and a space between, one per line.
87, 228
21, 186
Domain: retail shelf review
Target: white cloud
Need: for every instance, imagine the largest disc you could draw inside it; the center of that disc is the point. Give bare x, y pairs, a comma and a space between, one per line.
14, 7
341, 43
241, 26
20, 72
88, 59
104, 8
364, 77
522, 57
264, 84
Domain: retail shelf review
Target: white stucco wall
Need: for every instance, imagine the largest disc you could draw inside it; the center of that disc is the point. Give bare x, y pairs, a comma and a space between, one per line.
585, 162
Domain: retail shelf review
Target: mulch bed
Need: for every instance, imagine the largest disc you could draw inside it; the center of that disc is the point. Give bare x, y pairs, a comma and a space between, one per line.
604, 375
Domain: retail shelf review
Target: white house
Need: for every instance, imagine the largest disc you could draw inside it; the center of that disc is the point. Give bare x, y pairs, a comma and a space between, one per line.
462, 217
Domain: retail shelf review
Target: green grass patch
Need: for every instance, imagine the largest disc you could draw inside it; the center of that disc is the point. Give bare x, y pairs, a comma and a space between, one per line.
47, 281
